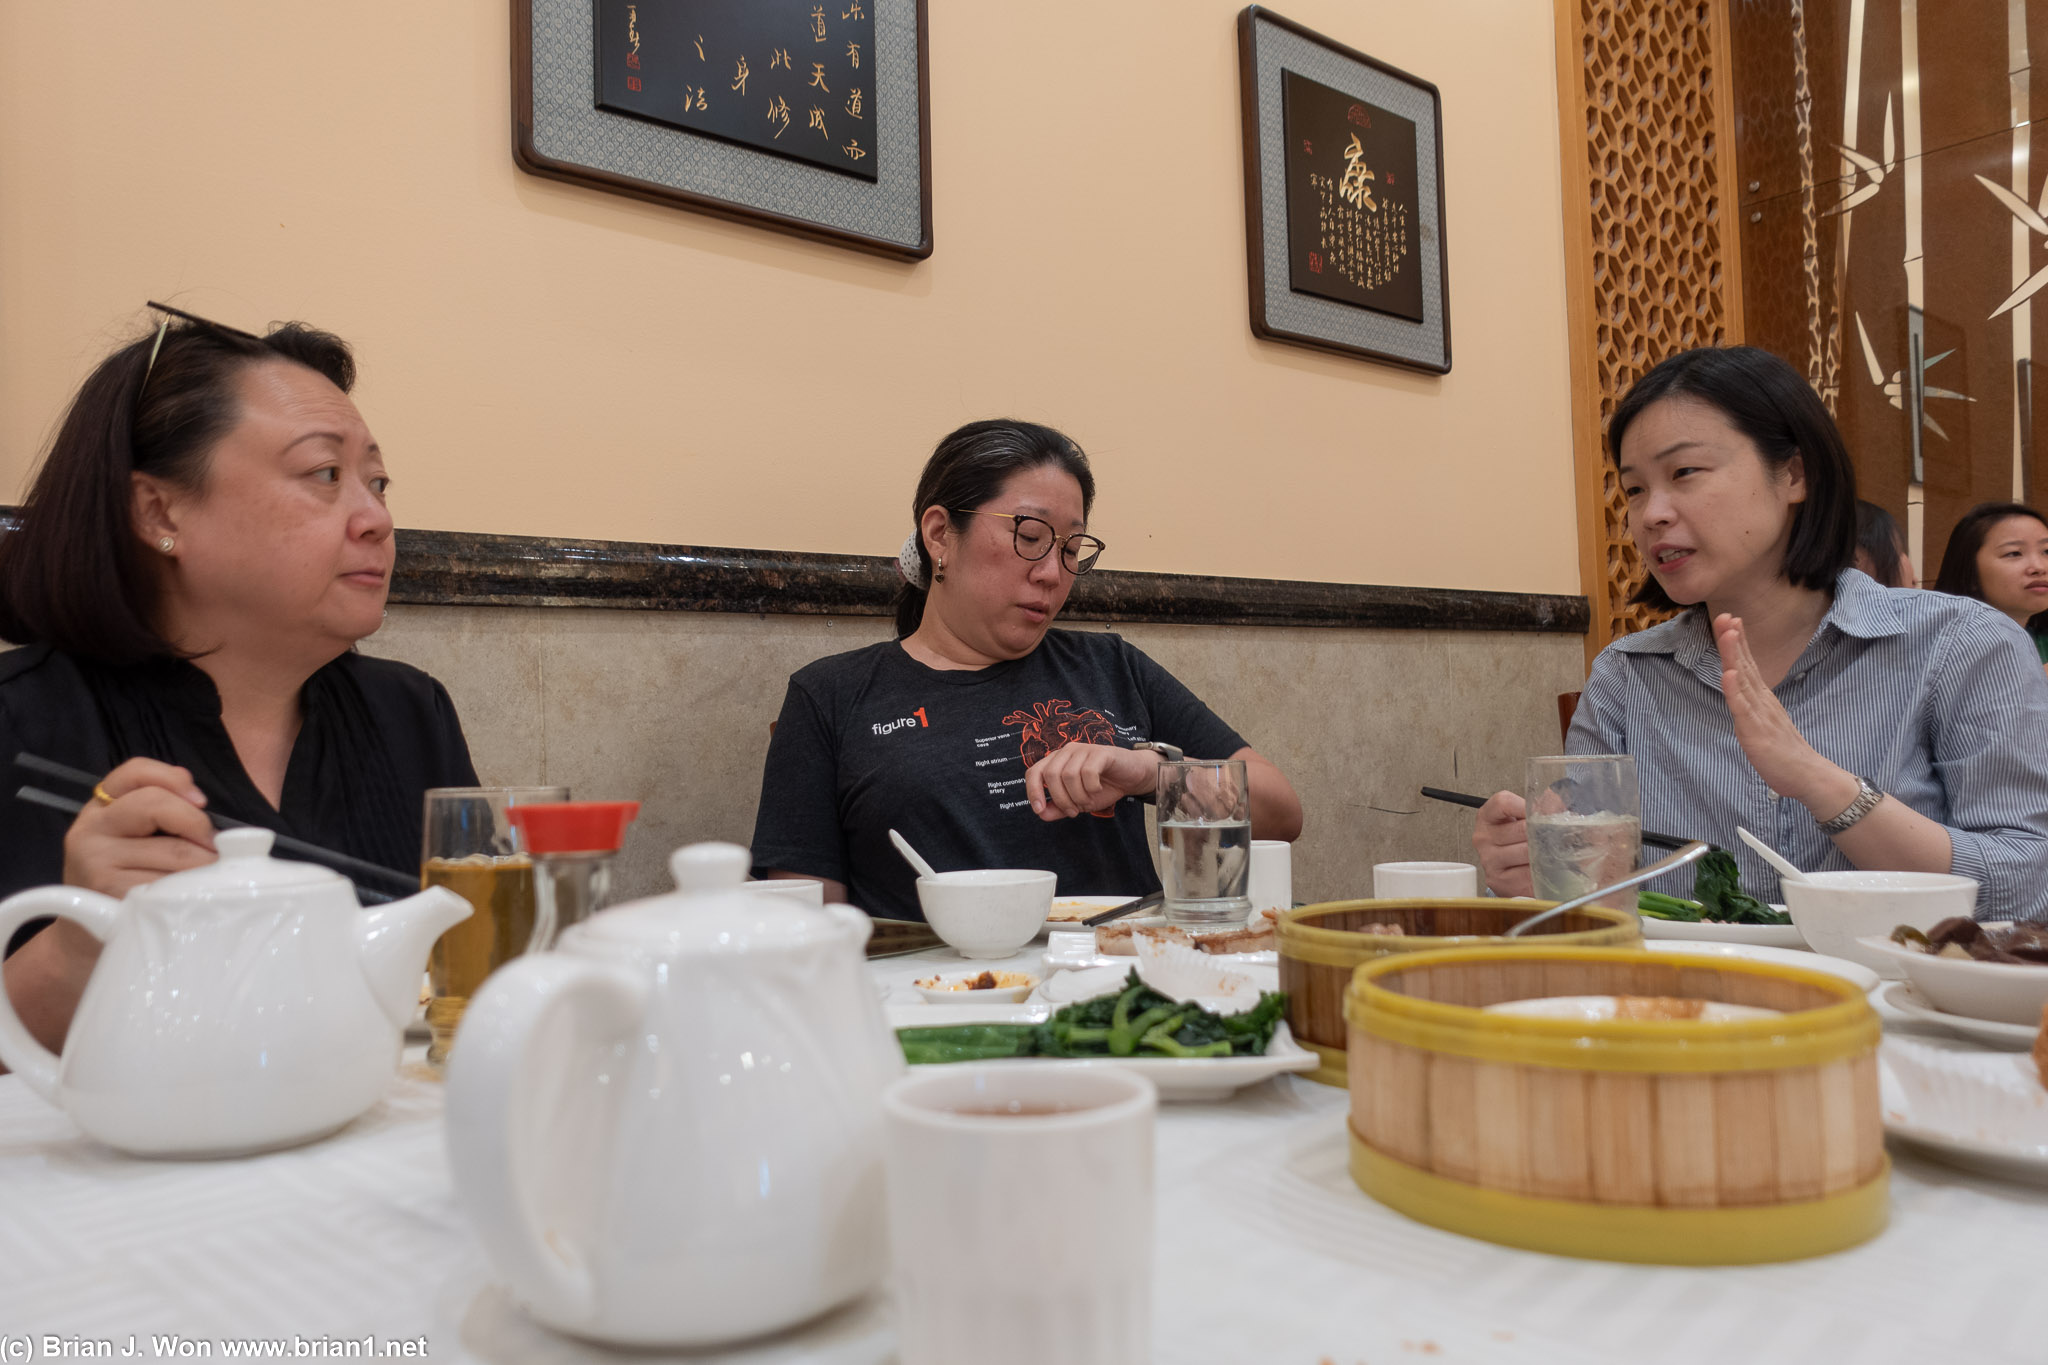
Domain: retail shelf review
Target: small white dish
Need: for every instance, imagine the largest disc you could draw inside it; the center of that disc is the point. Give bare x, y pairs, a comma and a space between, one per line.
1178, 1078
1982, 1110
2006, 992
1707, 931
1076, 909
1901, 996
945, 991
1865, 979
1832, 910
989, 912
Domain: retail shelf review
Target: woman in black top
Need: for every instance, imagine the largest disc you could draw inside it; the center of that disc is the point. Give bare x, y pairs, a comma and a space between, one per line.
206, 540
986, 737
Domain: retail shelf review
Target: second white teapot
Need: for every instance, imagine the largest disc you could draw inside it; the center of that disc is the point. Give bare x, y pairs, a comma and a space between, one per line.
668, 1132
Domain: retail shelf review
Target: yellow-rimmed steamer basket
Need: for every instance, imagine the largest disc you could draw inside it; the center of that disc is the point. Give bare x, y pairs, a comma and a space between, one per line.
1676, 1142
1322, 945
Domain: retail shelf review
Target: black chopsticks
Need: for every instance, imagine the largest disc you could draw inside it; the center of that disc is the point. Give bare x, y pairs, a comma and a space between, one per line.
1475, 802
374, 882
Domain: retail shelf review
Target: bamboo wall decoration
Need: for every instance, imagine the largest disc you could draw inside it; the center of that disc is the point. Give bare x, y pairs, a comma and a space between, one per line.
1650, 262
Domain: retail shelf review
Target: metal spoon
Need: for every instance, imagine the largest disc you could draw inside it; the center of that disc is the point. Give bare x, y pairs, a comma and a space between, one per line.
924, 869
1786, 870
1690, 853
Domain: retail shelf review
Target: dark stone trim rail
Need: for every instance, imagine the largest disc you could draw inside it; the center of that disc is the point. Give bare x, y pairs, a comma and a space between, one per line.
462, 568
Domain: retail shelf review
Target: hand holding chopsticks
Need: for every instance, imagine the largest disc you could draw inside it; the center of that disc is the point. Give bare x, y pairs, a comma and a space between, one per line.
374, 883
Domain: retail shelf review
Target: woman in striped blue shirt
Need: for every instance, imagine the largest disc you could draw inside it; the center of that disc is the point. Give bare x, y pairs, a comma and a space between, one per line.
1848, 724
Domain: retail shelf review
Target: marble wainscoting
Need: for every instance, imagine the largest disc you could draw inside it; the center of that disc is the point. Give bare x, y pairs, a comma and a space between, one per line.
671, 708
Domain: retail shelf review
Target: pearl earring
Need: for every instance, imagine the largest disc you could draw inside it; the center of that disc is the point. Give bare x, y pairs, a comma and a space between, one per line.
166, 544
940, 576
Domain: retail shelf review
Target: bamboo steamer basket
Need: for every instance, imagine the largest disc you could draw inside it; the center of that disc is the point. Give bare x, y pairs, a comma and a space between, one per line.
1321, 945
1669, 1141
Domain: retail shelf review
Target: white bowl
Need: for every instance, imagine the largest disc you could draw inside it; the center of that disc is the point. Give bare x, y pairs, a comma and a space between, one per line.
1832, 910
2008, 992
989, 913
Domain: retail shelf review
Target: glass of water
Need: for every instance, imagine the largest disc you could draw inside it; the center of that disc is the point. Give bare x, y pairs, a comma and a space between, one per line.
1205, 840
1585, 824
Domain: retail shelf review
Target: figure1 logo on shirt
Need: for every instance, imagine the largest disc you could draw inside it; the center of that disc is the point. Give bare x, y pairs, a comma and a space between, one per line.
916, 719
1051, 725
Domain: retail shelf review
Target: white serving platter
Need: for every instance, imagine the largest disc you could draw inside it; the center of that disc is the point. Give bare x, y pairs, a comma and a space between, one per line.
1177, 1078
1981, 1110
1094, 905
1705, 931
1901, 996
1865, 979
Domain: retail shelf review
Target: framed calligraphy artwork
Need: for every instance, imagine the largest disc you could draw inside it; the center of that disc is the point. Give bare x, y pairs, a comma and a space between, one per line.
807, 116
1344, 203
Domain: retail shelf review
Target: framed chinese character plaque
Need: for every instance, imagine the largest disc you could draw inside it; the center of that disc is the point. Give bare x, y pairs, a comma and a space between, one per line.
1344, 201
807, 116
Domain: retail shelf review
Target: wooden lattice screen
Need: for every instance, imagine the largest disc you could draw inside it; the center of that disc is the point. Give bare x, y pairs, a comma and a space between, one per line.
1650, 261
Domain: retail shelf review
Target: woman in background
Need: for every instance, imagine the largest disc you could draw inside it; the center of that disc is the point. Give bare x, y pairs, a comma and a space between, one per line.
1998, 554
1880, 549
985, 736
204, 543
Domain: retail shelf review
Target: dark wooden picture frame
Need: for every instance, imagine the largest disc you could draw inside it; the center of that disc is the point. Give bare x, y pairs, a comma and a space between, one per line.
559, 132
1267, 45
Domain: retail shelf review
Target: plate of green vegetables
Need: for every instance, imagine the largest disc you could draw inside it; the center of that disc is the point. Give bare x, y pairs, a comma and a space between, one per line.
1719, 911
1186, 1051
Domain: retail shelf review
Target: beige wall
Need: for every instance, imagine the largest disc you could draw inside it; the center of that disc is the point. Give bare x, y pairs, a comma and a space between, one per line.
672, 708
545, 359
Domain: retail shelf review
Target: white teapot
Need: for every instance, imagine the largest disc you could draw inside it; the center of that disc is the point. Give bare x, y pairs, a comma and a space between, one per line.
668, 1131
236, 1007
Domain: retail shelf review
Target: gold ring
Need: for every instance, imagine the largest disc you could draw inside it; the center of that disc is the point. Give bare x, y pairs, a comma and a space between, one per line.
99, 794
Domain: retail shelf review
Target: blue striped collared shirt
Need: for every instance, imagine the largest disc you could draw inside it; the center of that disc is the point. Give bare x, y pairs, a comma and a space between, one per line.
1939, 701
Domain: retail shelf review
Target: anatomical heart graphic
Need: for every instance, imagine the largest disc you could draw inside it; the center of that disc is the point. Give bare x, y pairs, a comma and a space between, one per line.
1051, 725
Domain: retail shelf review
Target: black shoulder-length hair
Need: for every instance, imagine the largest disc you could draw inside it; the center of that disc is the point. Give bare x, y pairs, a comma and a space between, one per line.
1878, 540
1769, 402
1959, 561
74, 574
969, 467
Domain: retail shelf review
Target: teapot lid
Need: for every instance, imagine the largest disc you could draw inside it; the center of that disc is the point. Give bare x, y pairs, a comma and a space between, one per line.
708, 912
244, 865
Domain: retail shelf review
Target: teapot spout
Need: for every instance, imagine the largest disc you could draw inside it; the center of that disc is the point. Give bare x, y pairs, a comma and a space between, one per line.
394, 941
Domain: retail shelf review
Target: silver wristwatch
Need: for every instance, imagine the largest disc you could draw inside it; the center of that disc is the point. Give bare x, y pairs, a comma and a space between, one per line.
1170, 752
1867, 797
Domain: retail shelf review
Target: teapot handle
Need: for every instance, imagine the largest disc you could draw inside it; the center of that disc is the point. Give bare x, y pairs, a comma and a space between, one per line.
24, 1056
492, 1051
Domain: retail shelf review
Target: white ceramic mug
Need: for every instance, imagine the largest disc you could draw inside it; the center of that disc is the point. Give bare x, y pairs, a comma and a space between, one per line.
983, 1269
802, 890
1424, 881
1272, 883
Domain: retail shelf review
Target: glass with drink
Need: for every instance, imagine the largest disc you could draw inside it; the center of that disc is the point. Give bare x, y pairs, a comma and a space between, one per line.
1205, 840
473, 849
1585, 824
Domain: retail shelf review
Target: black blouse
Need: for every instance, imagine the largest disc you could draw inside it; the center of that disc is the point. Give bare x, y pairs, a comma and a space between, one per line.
375, 736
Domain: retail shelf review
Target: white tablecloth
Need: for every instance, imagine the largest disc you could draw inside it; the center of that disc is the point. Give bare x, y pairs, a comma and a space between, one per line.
1265, 1252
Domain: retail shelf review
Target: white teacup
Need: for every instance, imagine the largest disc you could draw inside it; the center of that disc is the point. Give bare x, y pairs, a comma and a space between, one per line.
1424, 881
803, 890
1272, 876
984, 1271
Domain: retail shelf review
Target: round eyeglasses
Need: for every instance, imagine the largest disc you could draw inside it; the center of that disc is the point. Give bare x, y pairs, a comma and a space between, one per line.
1034, 538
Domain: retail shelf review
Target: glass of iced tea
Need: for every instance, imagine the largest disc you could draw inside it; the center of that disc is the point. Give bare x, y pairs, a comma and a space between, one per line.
1585, 824
471, 848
